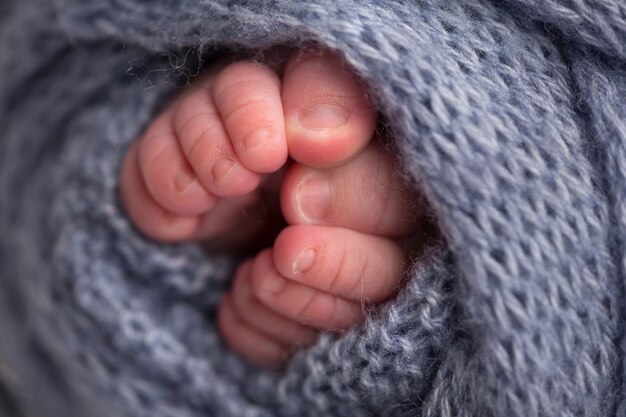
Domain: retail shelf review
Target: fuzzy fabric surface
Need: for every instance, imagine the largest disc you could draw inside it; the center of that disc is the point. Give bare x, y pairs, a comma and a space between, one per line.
510, 117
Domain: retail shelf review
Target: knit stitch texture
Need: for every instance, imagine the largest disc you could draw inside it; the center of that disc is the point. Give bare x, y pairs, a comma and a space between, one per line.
510, 117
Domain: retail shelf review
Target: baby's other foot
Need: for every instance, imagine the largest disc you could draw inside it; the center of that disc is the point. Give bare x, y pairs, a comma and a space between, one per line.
200, 162
341, 254
197, 172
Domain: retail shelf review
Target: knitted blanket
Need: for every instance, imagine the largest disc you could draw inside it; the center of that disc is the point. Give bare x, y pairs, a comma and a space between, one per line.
508, 115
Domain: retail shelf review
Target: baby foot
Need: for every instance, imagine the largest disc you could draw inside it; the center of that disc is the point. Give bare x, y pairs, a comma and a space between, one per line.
199, 171
339, 255
199, 162
196, 172
346, 207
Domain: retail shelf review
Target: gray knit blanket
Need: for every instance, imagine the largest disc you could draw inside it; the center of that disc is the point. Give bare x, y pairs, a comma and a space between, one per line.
508, 115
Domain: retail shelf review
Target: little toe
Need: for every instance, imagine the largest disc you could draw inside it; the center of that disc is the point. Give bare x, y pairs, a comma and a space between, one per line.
167, 175
354, 266
247, 96
299, 302
328, 115
246, 341
147, 215
205, 143
264, 320
366, 194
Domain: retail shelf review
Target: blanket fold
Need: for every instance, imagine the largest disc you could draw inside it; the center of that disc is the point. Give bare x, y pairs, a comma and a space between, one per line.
508, 115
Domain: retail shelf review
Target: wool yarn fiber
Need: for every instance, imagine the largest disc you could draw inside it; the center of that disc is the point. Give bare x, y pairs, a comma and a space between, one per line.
508, 115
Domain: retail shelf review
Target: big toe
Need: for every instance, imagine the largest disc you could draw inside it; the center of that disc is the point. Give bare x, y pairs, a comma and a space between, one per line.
366, 194
328, 115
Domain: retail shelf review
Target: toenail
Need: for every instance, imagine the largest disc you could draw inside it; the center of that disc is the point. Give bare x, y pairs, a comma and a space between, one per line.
183, 180
221, 169
274, 285
313, 197
174, 221
304, 261
323, 116
256, 139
